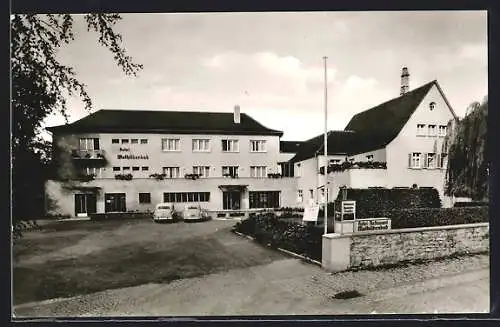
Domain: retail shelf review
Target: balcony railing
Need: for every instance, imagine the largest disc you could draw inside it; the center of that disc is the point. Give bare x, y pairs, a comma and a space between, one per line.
88, 154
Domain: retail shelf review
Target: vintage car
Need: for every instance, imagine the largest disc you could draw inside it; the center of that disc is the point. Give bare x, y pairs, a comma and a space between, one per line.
194, 212
165, 212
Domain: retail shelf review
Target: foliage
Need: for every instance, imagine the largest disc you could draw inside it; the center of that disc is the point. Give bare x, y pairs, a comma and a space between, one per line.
158, 177
377, 202
40, 87
124, 177
192, 176
274, 175
427, 217
470, 204
332, 168
467, 172
267, 229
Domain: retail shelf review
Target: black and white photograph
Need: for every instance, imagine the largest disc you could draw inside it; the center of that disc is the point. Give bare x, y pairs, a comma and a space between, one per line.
249, 163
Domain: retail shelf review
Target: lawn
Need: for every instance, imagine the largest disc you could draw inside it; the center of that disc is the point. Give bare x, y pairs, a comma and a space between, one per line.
74, 258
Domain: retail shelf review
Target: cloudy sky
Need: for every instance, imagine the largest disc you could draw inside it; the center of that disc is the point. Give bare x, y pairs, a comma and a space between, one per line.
271, 63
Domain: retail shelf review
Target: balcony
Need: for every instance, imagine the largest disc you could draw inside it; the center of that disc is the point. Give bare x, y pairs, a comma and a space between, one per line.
88, 154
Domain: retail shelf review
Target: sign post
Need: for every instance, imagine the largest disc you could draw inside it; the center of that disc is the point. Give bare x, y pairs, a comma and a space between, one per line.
311, 213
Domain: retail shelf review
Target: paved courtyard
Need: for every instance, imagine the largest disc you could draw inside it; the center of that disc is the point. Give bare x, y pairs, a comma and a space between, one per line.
281, 286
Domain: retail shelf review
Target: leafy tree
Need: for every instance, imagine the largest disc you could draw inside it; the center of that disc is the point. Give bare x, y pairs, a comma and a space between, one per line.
467, 173
40, 87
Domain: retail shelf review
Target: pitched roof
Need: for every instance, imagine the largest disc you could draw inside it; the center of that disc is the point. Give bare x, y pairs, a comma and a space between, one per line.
290, 146
369, 130
180, 122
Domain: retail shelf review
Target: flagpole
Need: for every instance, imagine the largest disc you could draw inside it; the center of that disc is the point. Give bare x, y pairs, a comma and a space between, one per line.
325, 171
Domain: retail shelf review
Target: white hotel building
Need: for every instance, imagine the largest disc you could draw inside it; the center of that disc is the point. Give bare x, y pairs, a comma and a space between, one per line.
125, 160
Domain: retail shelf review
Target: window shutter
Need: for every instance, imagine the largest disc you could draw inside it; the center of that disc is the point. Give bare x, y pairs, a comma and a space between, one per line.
96, 144
409, 160
425, 160
438, 163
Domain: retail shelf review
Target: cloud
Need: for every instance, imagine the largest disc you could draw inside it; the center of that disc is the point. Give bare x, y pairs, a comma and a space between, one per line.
464, 56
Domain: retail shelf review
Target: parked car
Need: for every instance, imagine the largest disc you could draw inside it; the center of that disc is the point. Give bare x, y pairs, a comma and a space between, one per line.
194, 212
164, 212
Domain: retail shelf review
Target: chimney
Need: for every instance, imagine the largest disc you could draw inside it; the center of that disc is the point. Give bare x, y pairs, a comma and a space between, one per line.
405, 81
236, 114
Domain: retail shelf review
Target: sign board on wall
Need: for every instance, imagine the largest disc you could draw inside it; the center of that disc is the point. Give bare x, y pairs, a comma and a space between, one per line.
372, 224
311, 213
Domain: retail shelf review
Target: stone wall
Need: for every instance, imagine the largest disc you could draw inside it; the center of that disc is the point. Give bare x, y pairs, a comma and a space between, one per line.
376, 248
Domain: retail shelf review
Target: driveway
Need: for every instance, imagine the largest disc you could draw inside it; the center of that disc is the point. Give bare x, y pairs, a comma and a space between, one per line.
280, 285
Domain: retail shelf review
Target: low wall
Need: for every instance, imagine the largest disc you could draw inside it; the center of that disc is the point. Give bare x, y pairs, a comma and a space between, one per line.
376, 248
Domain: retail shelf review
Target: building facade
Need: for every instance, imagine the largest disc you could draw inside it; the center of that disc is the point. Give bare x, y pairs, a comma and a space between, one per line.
124, 160
400, 143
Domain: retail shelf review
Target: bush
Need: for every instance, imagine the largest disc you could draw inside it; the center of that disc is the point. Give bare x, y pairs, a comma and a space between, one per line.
427, 217
120, 215
378, 202
267, 229
470, 204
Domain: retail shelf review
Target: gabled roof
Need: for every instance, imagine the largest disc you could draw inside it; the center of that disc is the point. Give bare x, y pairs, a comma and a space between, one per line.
289, 146
176, 122
369, 130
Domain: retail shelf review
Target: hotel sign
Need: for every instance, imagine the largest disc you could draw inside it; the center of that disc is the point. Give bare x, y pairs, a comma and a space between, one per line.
132, 156
372, 224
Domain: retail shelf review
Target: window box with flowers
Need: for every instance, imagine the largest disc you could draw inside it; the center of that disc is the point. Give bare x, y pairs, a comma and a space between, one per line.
158, 177
354, 165
192, 176
123, 177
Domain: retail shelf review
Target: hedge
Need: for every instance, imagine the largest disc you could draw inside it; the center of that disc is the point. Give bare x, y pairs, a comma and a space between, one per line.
268, 229
471, 204
427, 217
378, 202
120, 215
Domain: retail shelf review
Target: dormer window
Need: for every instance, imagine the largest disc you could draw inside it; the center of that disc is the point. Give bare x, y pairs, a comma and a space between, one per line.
432, 105
369, 157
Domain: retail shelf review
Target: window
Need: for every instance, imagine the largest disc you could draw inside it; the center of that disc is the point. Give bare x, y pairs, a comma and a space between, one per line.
257, 146
201, 145
202, 171
335, 161
96, 171
144, 197
432, 105
299, 170
258, 171
145, 168
170, 144
420, 129
230, 171
144, 141
287, 169
300, 196
115, 141
124, 141
230, 146
311, 194
134, 141
135, 168
172, 172
265, 199
443, 161
171, 197
126, 169
369, 157
89, 144
431, 160
432, 130
116, 168
414, 159
442, 130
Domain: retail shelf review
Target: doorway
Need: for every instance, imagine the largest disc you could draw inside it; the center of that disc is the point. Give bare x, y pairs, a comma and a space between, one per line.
231, 200
115, 202
85, 204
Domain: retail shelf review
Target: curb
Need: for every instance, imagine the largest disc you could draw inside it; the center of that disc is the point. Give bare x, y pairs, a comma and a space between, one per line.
293, 254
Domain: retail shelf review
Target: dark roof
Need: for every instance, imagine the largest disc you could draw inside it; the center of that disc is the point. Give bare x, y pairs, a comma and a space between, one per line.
289, 146
181, 122
369, 130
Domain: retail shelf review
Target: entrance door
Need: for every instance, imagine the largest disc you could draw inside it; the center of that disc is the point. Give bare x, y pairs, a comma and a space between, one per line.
231, 200
115, 202
85, 204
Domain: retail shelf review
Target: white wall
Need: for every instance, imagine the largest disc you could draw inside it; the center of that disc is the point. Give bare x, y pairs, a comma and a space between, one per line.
399, 174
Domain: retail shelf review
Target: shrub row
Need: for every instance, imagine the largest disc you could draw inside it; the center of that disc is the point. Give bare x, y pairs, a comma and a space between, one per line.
427, 217
269, 230
378, 202
120, 215
470, 204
